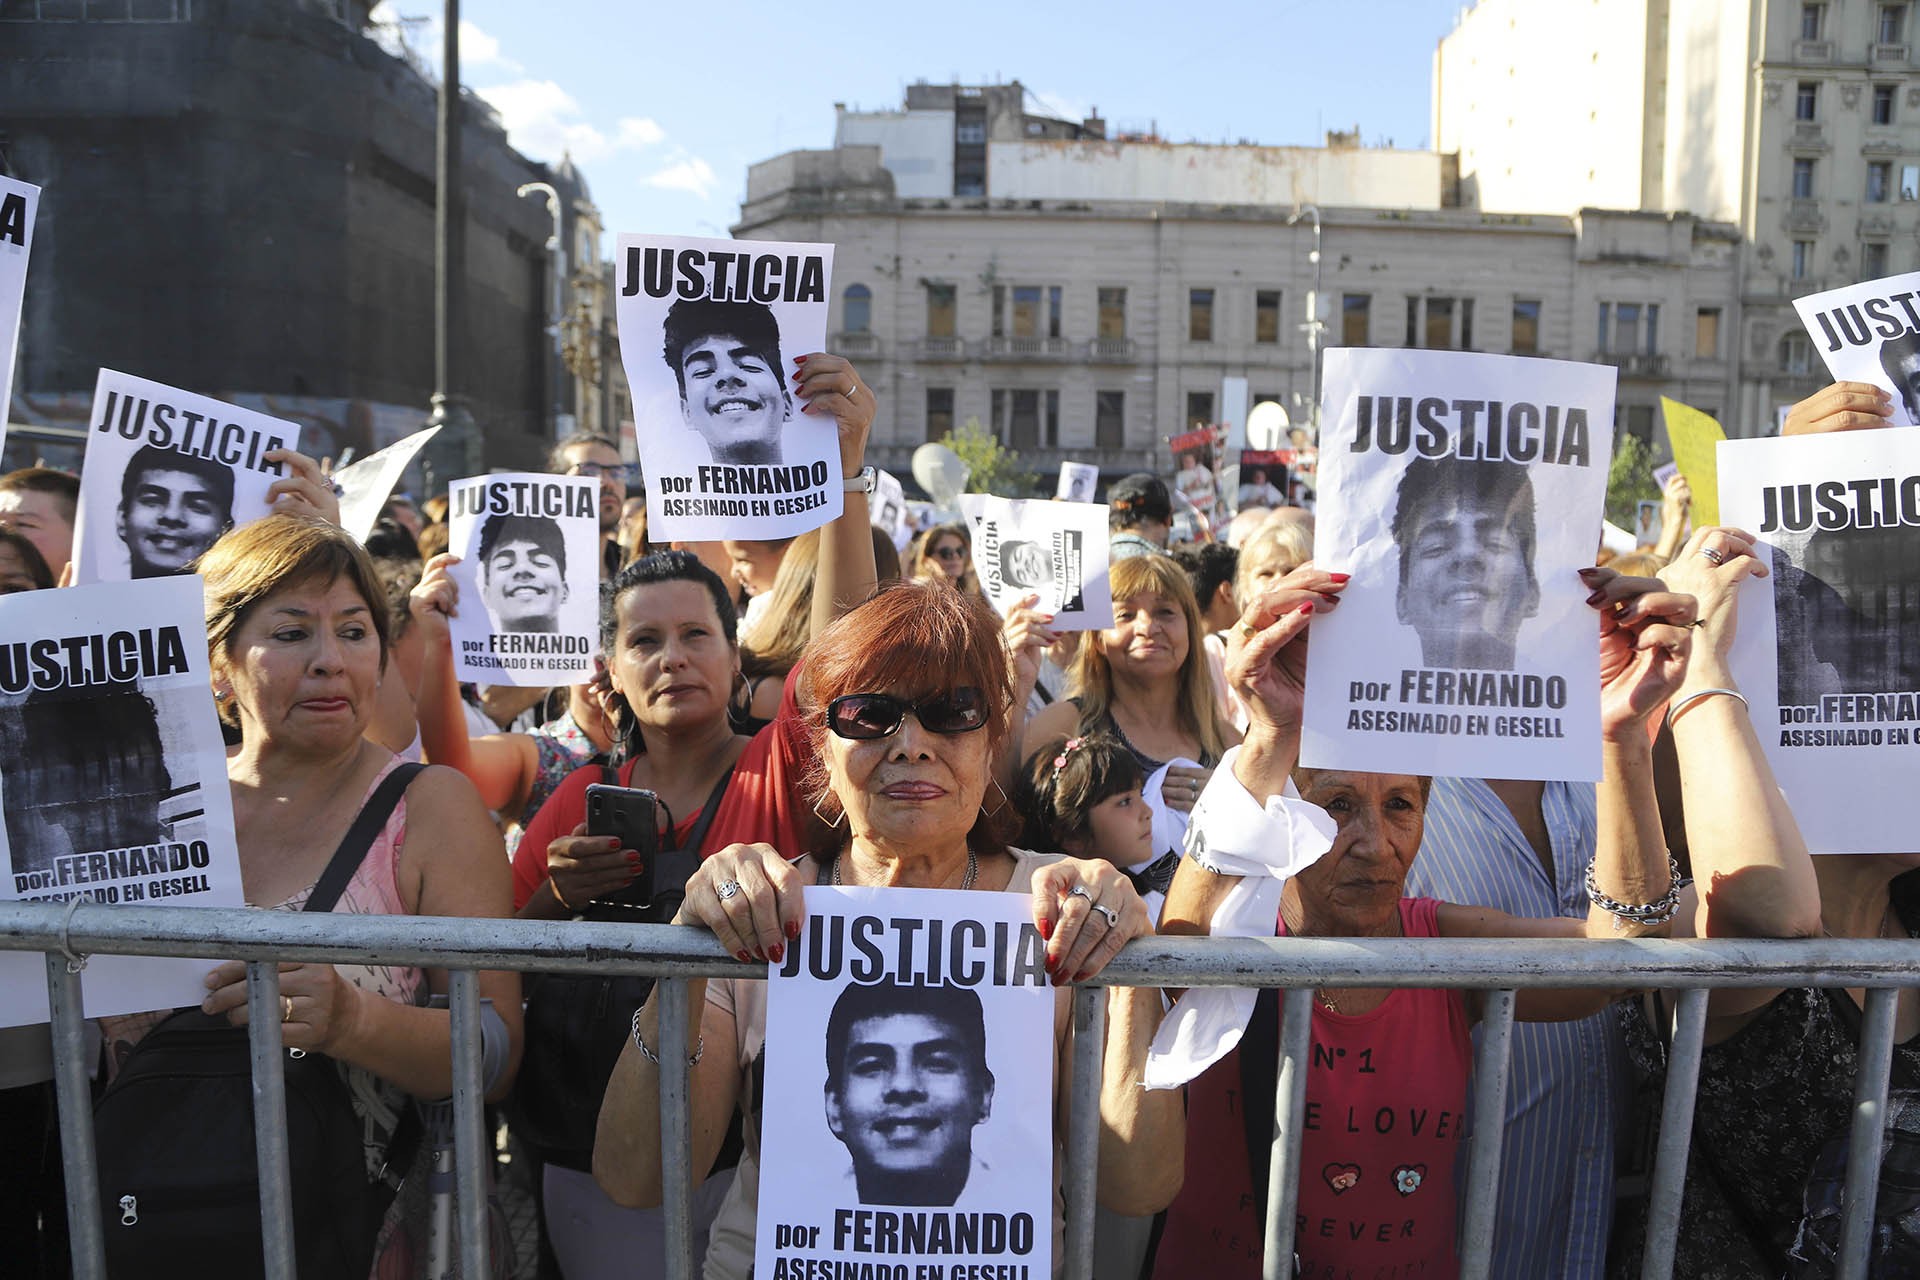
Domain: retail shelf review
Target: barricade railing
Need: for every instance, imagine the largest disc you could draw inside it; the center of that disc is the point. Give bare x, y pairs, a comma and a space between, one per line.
1298, 965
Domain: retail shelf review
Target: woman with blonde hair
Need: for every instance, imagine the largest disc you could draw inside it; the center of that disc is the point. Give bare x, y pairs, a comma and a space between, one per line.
1145, 680
771, 643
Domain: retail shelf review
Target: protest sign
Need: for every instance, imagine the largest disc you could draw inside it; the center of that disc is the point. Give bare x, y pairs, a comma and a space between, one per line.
1870, 332
1646, 523
1079, 481
113, 777
365, 486
1055, 550
167, 472
18, 201
1828, 650
888, 512
529, 577
908, 1118
1462, 492
1694, 436
708, 333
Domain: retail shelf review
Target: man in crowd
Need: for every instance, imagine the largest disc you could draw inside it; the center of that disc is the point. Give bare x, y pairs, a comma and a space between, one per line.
173, 506
587, 453
39, 504
1465, 533
907, 1081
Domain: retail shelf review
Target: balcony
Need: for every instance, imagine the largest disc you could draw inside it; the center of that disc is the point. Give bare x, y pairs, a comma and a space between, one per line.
856, 346
1881, 55
1805, 215
1813, 51
1001, 347
1809, 135
1634, 364
943, 348
1111, 351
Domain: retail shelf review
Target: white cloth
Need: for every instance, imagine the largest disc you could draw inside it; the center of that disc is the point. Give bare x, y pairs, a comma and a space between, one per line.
1169, 824
1232, 834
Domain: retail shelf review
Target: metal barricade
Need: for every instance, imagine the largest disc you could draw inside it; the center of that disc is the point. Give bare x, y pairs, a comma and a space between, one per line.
1298, 965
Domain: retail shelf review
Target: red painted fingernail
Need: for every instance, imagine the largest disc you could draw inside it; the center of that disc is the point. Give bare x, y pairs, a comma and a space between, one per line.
1046, 930
1083, 975
1596, 597
799, 359
1340, 577
776, 952
793, 930
1590, 572
633, 860
1329, 597
742, 956
1306, 608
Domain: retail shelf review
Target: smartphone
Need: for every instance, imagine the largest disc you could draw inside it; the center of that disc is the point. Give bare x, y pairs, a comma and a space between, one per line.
632, 815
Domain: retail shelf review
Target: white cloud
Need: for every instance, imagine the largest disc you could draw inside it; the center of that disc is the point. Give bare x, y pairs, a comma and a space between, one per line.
544, 121
692, 175
478, 49
1060, 105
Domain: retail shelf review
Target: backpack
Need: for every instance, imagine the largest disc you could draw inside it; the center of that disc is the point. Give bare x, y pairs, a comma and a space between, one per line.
1895, 1248
179, 1187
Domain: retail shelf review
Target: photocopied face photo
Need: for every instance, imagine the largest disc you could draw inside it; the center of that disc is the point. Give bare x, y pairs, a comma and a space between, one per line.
1900, 359
523, 572
1848, 613
907, 1083
725, 356
1465, 534
173, 506
1025, 564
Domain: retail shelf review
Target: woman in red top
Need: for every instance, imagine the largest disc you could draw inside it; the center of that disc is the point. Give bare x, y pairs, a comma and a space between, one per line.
1387, 1080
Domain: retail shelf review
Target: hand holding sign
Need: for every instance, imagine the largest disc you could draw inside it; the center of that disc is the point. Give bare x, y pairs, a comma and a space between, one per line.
304, 490
1714, 585
1645, 636
829, 386
1087, 910
1028, 638
436, 599
1843, 406
1267, 648
763, 910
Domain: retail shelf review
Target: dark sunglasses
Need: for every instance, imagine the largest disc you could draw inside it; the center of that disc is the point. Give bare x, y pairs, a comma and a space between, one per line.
863, 717
950, 553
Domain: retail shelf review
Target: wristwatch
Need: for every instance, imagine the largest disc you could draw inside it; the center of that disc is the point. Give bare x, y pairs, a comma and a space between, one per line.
862, 481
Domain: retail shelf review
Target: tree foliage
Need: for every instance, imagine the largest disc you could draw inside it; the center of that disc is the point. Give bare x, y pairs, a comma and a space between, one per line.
1629, 479
995, 468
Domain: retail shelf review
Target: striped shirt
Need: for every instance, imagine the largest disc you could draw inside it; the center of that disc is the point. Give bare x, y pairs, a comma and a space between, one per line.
1566, 1092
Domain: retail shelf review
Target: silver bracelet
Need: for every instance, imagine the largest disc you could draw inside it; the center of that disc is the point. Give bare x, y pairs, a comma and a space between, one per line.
1674, 709
699, 1048
1659, 911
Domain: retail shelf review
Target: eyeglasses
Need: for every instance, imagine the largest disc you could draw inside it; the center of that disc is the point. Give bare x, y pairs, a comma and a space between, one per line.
862, 717
618, 470
950, 553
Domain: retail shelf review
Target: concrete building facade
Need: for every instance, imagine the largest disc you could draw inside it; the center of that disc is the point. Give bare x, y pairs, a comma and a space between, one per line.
1798, 122
1096, 311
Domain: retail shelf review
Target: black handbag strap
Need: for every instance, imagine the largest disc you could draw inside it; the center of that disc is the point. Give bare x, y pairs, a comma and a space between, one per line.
359, 838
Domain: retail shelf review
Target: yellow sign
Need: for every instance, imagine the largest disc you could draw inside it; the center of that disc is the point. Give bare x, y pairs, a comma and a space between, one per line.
1695, 437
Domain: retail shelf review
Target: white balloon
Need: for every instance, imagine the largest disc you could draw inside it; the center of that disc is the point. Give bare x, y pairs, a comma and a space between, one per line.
1267, 425
940, 472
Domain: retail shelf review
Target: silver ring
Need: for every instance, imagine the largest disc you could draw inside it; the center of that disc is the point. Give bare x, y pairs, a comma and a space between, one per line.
1080, 891
852, 391
726, 889
1113, 917
1716, 558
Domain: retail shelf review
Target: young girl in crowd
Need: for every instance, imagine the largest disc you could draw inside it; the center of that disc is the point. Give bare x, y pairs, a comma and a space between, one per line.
1082, 796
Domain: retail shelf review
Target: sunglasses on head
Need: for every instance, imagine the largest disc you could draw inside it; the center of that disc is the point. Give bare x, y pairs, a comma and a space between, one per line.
863, 717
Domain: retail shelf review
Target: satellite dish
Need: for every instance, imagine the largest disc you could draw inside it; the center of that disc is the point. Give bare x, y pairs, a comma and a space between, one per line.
940, 472
1267, 426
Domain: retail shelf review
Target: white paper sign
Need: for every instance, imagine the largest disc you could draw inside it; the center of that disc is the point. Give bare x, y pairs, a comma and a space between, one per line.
1055, 550
18, 202
1079, 481
367, 484
888, 510
908, 1117
1870, 333
113, 777
529, 577
1462, 492
1828, 650
708, 333
166, 473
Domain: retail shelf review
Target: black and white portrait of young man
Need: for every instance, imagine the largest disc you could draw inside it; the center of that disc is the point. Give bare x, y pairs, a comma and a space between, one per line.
907, 1082
523, 572
725, 357
1465, 533
173, 506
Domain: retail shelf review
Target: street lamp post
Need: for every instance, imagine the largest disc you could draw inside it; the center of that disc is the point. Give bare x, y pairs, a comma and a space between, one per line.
458, 442
1313, 326
556, 305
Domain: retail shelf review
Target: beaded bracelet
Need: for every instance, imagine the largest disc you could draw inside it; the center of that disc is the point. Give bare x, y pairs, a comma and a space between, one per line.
1659, 911
699, 1049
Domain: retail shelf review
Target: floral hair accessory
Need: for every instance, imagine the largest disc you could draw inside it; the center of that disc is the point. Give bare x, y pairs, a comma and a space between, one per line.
1072, 745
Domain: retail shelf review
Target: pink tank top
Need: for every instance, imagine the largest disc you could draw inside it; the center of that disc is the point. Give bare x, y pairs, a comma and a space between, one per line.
1386, 1101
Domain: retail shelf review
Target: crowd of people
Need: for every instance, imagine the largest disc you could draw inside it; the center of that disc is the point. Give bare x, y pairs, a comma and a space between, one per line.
826, 710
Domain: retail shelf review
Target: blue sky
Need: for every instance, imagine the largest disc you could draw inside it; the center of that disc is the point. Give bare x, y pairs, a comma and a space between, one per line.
665, 106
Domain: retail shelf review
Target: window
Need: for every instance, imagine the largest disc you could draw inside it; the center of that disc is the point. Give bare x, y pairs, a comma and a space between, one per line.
1526, 327
1796, 355
1910, 182
1266, 315
1806, 99
1110, 419
1873, 260
1629, 329
1199, 409
939, 412
1356, 319
1634, 420
940, 311
1024, 419
1883, 104
1813, 20
1439, 331
1112, 322
1802, 258
1893, 23
1431, 323
971, 133
1706, 333
1199, 315
1802, 178
856, 311
1026, 311
1879, 181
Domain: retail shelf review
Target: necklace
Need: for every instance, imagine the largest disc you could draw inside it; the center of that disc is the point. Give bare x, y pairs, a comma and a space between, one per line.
966, 881
1325, 1000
